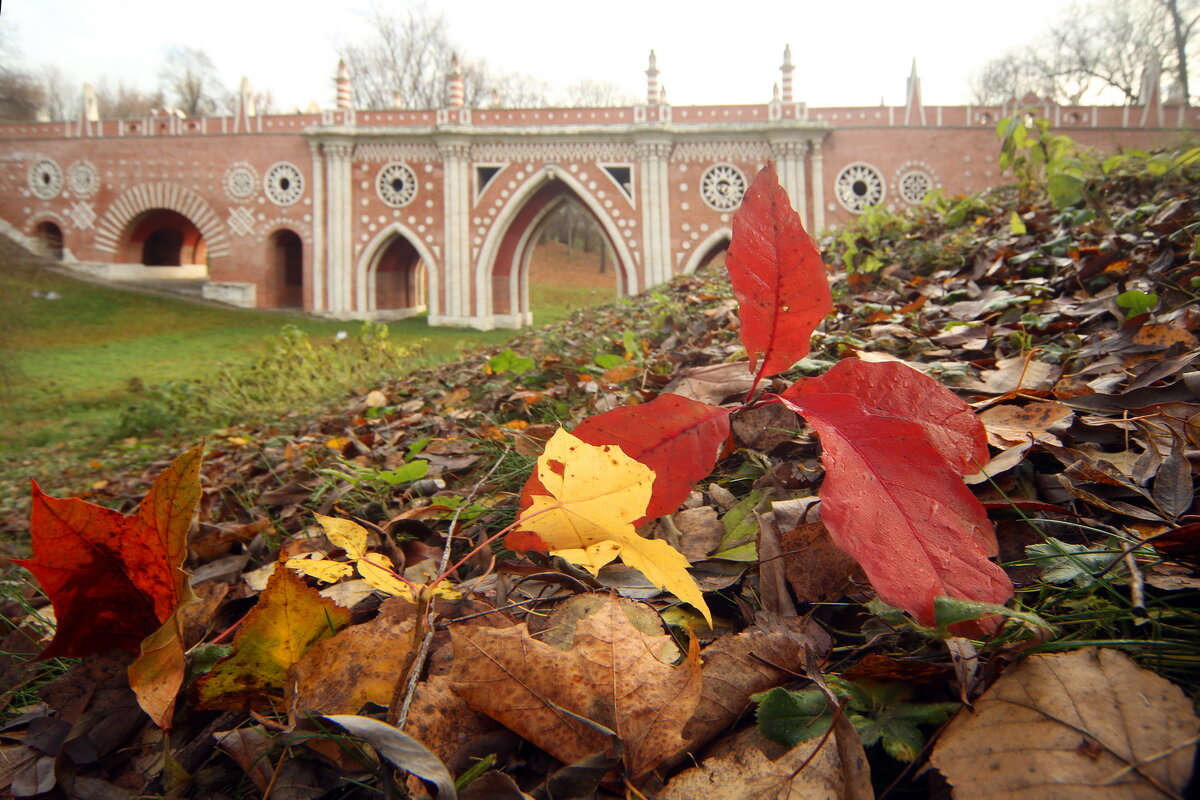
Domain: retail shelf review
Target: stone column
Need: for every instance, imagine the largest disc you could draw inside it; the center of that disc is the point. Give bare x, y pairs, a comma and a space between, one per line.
818, 186
653, 161
340, 263
789, 161
454, 305
316, 281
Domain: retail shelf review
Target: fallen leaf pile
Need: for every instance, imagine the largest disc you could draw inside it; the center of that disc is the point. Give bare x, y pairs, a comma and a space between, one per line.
611, 576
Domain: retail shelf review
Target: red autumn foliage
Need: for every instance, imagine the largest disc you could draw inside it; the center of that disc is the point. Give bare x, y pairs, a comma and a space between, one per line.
114, 579
893, 389
777, 275
892, 501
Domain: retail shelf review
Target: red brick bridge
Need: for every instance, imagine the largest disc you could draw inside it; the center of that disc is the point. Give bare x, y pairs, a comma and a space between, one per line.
381, 214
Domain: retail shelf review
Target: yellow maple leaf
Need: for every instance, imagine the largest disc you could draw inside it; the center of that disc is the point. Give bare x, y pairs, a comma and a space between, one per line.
595, 494
374, 568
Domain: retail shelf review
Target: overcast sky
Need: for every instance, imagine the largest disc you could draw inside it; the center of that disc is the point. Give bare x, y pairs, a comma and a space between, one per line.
846, 53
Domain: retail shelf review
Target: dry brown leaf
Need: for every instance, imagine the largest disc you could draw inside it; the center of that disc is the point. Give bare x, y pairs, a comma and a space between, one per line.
748, 767
455, 732
1086, 724
815, 567
360, 664
1010, 424
759, 658
1015, 373
611, 675
712, 383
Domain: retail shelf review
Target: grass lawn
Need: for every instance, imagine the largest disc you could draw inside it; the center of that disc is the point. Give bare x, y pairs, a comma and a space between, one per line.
72, 362
68, 365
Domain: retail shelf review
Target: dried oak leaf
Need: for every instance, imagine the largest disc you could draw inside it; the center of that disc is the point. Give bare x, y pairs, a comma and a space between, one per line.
1086, 724
289, 619
611, 674
594, 495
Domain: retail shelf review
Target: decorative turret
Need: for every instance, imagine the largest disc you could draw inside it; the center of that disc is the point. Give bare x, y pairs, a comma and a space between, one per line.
454, 85
914, 110
343, 85
786, 70
1150, 95
652, 95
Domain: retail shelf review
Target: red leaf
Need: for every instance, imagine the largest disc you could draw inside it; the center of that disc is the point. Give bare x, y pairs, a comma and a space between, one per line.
678, 438
114, 579
897, 390
892, 501
777, 276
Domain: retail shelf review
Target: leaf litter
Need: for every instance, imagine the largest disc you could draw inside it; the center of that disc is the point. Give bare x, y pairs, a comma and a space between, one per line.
1083, 414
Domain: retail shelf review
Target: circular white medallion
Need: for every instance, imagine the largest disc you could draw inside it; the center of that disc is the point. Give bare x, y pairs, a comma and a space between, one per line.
722, 187
914, 185
83, 179
240, 181
859, 186
396, 184
283, 183
45, 179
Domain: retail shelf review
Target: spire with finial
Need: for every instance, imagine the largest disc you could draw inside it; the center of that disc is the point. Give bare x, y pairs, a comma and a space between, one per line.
652, 81
343, 85
914, 109
786, 71
455, 84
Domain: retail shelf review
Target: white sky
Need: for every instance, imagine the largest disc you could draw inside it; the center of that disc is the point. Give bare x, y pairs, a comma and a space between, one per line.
847, 52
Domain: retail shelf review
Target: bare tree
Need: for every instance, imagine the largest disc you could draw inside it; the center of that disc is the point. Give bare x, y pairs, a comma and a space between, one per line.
189, 79
408, 60
597, 94
60, 99
1098, 47
20, 95
123, 101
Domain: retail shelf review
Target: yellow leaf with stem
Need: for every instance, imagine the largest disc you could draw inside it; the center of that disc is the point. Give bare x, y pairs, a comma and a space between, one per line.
595, 494
374, 568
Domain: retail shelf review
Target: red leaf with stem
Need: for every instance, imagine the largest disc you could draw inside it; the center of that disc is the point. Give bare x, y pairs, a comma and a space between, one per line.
676, 437
897, 390
778, 277
893, 502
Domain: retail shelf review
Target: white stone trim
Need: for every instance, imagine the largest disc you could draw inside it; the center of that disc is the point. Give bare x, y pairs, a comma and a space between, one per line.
701, 250
364, 270
485, 260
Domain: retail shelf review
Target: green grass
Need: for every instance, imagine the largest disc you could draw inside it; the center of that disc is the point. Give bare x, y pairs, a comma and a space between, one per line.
72, 362
553, 303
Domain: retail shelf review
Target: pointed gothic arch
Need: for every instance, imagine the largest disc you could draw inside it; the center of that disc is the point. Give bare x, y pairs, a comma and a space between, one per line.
137, 201
502, 267
415, 262
706, 250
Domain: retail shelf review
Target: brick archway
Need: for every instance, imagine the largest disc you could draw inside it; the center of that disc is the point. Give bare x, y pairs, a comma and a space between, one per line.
502, 268
706, 250
365, 271
138, 200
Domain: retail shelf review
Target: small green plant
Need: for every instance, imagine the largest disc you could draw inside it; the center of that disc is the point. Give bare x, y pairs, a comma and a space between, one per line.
882, 713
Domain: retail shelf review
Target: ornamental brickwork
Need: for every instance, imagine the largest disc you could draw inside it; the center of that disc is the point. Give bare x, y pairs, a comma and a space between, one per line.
381, 214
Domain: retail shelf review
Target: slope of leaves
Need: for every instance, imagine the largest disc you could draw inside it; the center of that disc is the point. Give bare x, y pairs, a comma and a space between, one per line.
1090, 412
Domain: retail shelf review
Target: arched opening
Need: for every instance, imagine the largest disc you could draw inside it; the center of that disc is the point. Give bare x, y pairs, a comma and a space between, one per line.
164, 238
711, 250
543, 264
287, 269
398, 278
50, 240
